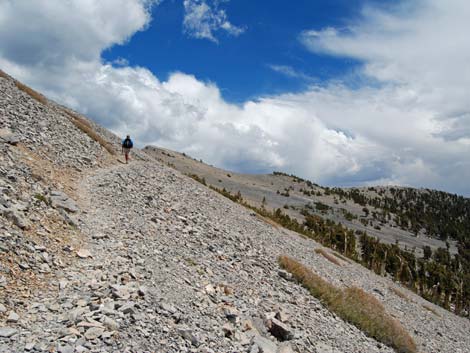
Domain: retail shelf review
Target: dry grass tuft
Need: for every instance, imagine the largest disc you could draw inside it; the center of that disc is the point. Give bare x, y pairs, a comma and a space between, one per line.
355, 306
339, 256
31, 92
88, 129
268, 221
28, 90
429, 308
399, 293
328, 256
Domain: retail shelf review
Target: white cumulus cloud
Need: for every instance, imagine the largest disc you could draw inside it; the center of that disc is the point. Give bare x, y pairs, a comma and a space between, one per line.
418, 55
411, 127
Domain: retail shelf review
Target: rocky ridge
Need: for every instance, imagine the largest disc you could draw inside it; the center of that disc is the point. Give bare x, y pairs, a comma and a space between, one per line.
96, 256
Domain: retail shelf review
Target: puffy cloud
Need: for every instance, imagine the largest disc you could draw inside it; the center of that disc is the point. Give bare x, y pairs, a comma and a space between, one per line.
418, 46
52, 32
410, 128
418, 56
202, 20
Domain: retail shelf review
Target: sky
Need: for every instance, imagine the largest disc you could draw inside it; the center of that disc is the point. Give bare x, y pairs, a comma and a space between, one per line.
341, 92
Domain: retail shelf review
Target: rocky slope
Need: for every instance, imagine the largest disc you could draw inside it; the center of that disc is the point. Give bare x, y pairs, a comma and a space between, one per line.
97, 256
293, 195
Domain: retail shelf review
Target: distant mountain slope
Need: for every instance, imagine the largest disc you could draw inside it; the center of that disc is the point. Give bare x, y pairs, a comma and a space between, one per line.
419, 237
294, 195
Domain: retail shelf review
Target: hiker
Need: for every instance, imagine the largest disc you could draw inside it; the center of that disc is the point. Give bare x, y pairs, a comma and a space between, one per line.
127, 145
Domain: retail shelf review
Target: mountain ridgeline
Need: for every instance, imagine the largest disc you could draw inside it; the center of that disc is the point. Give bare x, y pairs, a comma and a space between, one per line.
419, 237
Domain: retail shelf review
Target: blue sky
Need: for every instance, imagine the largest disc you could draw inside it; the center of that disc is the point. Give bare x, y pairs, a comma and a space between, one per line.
242, 66
339, 92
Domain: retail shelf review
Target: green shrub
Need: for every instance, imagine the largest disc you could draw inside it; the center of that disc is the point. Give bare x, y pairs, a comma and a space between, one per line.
41, 198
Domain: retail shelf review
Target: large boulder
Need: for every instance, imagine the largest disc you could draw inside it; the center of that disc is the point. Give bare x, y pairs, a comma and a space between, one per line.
280, 330
63, 201
9, 137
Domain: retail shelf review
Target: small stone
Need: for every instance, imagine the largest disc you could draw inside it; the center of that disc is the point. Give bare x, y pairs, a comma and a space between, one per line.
282, 316
188, 335
127, 308
268, 316
94, 306
247, 325
259, 325
378, 291
13, 317
209, 289
99, 236
7, 332
231, 314
2, 308
73, 331
45, 268
82, 302
242, 338
93, 333
228, 290
108, 308
41, 347
91, 323
168, 307
110, 323
65, 349
264, 345
142, 291
67, 248
228, 330
54, 307
24, 266
29, 346
107, 335
17, 218
83, 253
284, 274
9, 137
121, 293
44, 256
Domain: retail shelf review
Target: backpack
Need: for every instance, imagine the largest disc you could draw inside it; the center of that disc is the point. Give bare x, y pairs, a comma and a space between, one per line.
127, 143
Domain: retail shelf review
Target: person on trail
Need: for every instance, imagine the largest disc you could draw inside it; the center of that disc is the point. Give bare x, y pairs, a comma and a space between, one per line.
127, 145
